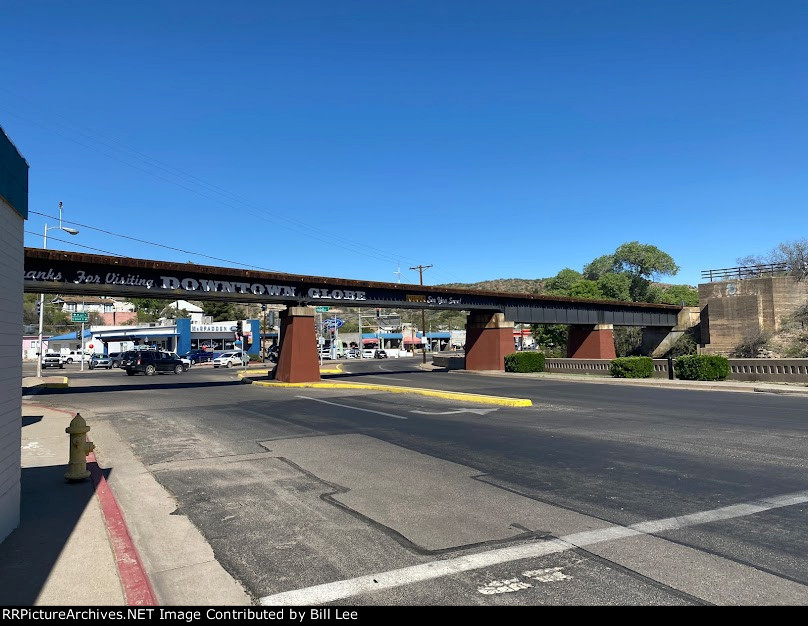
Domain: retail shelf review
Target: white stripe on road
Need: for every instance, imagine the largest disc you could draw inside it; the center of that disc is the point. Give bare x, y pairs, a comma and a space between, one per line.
330, 592
355, 408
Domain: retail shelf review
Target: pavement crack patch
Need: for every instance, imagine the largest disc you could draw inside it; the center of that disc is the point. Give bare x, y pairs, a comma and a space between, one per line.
335, 489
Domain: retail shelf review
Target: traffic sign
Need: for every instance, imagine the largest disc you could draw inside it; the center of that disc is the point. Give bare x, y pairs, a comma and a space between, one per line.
321, 309
80, 317
333, 322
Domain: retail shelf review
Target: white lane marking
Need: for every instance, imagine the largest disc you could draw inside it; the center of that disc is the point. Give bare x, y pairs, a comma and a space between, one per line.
508, 585
547, 575
355, 408
338, 590
454, 411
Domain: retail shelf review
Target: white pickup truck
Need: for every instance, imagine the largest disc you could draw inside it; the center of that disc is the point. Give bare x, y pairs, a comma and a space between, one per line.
52, 359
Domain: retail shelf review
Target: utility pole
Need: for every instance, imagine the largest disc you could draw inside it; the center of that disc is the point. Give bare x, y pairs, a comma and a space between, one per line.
361, 343
263, 339
421, 269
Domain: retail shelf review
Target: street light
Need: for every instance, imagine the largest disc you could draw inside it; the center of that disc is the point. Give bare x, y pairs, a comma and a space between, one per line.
69, 231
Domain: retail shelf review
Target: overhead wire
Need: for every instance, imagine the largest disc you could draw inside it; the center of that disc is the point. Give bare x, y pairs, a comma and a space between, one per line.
253, 209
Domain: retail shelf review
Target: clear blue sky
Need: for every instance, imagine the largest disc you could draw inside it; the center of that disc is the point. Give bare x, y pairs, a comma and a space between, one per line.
491, 139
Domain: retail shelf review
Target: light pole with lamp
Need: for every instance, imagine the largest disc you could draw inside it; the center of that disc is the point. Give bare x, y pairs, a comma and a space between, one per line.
69, 231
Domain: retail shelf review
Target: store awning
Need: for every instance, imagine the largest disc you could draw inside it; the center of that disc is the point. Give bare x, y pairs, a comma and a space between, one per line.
413, 340
70, 336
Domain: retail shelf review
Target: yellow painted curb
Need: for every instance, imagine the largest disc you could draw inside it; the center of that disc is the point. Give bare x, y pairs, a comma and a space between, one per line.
448, 395
62, 385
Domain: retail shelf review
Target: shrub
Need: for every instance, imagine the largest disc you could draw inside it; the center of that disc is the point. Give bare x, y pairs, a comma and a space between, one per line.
632, 367
749, 347
702, 367
254, 357
524, 362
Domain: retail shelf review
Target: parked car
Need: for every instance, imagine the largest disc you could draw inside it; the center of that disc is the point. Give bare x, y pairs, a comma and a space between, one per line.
52, 359
379, 354
115, 357
199, 356
353, 353
231, 358
150, 362
368, 353
100, 361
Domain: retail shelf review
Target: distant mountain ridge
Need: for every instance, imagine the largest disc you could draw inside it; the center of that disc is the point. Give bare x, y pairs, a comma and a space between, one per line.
508, 285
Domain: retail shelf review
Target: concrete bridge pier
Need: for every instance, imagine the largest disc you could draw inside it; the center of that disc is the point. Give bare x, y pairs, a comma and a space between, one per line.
297, 361
586, 341
489, 338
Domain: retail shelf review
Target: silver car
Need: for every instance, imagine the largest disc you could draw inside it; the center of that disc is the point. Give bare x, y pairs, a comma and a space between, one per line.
100, 361
231, 358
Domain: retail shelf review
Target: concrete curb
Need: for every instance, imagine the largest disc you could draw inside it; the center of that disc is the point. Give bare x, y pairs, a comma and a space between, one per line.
137, 587
64, 383
449, 395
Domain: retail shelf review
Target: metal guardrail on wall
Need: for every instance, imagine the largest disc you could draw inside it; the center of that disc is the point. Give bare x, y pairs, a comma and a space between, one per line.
763, 370
746, 271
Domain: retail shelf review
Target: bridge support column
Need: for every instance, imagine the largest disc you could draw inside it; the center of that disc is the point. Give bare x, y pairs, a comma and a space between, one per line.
591, 342
297, 361
488, 339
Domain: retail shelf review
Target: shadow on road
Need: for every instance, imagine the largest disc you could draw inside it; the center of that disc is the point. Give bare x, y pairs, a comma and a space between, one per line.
138, 387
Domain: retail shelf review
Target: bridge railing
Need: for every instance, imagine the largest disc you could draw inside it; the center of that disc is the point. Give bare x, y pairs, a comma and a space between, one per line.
745, 271
763, 370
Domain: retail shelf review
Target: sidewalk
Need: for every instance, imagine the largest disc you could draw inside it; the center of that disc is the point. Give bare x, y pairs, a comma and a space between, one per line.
795, 389
71, 546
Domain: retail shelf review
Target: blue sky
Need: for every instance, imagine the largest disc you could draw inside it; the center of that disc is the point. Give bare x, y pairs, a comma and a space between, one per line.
492, 140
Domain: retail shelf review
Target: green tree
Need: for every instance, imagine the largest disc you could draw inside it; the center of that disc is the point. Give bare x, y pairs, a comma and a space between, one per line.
171, 312
793, 254
615, 286
642, 262
223, 311
584, 288
54, 320
628, 340
148, 309
551, 338
562, 282
600, 267
678, 294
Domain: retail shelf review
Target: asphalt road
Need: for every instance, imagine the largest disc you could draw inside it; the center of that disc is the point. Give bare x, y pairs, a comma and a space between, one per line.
597, 494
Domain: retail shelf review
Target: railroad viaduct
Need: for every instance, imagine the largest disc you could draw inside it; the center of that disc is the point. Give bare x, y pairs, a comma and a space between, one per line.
489, 328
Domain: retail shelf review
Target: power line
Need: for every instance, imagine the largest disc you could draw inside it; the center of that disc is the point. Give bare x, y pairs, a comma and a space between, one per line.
152, 243
29, 232
259, 212
186, 179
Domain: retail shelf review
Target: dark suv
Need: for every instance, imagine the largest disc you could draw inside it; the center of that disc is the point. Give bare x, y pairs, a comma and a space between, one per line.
150, 362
